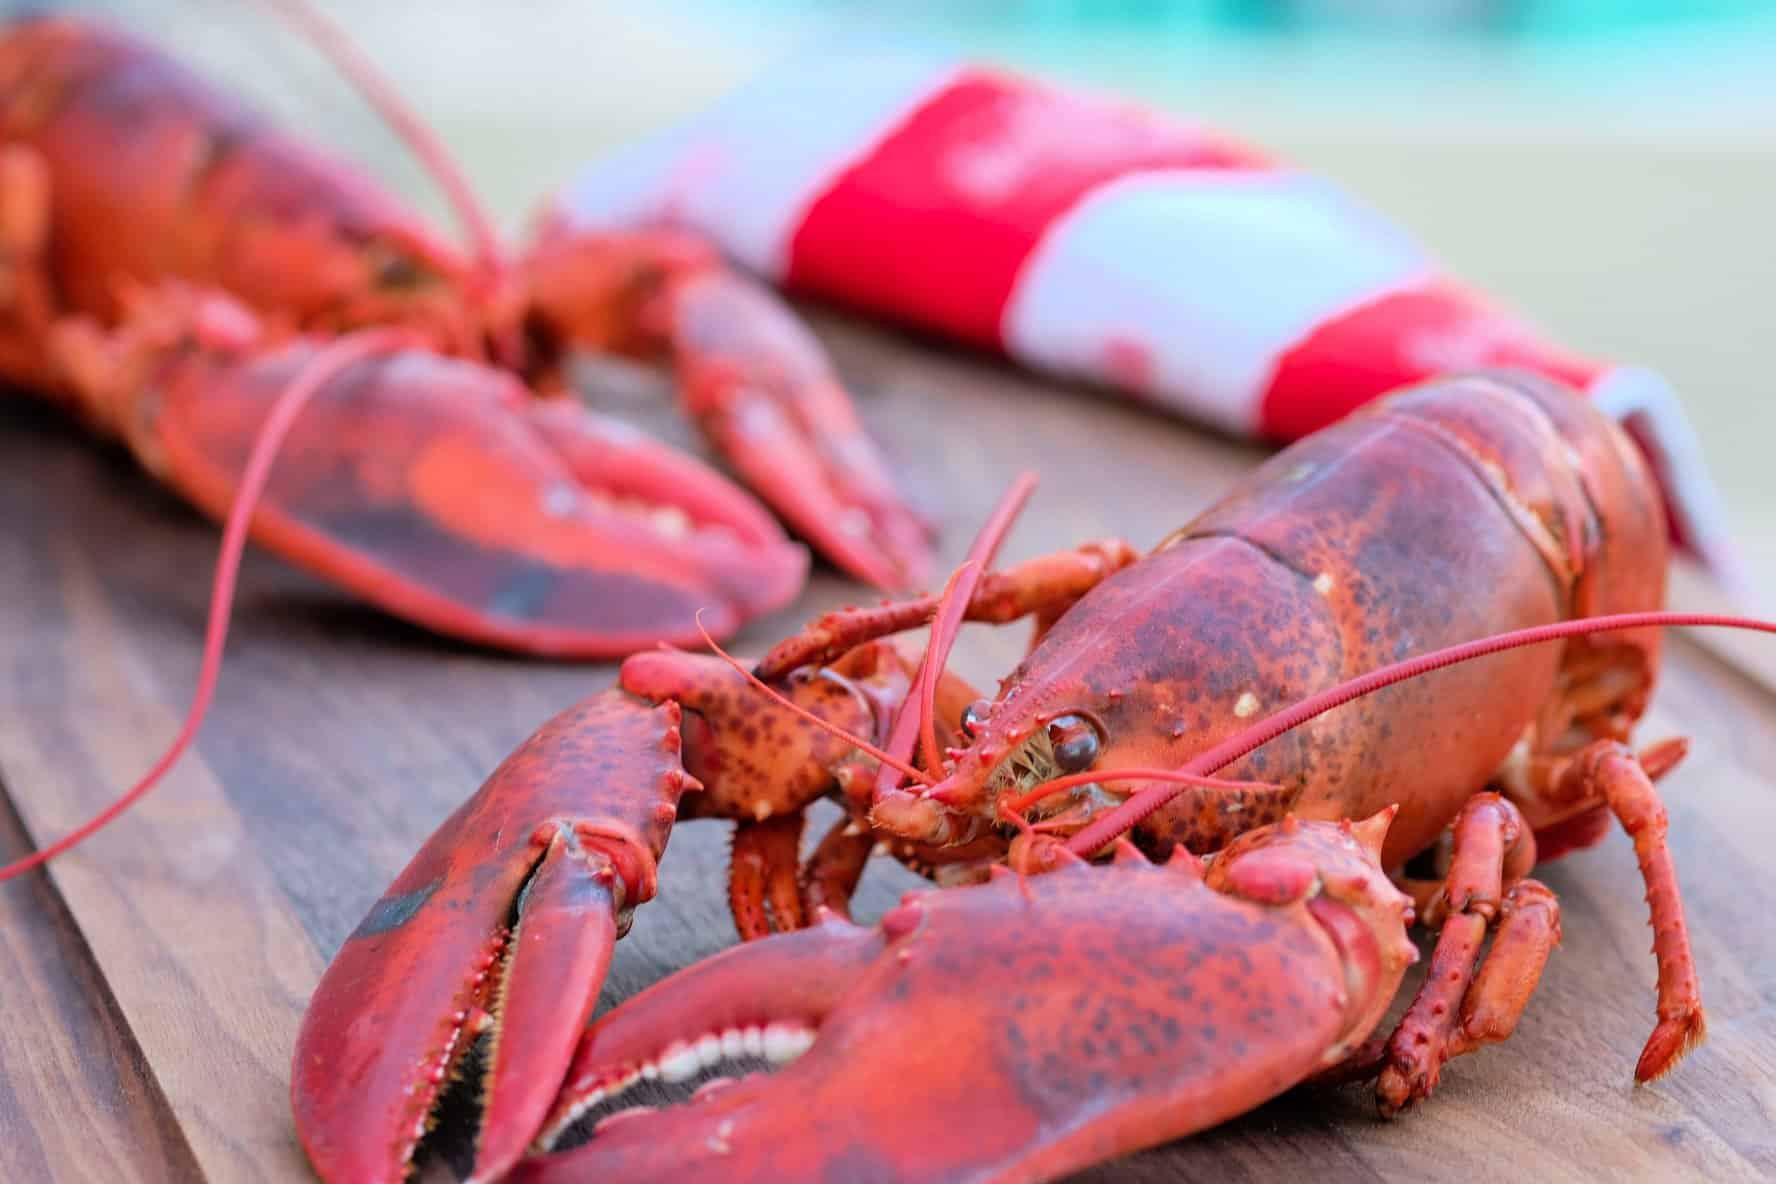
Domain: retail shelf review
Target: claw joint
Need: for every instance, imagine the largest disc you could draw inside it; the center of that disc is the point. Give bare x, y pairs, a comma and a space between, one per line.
630, 856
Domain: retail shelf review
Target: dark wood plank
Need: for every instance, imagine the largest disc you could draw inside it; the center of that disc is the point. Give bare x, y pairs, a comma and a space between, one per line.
194, 941
77, 1098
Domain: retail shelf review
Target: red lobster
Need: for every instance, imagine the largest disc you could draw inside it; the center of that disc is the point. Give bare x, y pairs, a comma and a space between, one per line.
171, 264
1092, 1012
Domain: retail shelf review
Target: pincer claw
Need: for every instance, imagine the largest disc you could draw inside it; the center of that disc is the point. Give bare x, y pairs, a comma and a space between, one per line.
501, 926
753, 377
765, 392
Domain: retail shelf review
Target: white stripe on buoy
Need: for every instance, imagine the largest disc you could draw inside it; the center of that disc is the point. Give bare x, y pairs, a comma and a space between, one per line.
1630, 393
1187, 285
744, 173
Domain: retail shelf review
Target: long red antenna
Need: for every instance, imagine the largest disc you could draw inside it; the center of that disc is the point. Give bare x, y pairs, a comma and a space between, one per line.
1132, 812
357, 68
803, 713
1025, 800
946, 625
322, 367
920, 707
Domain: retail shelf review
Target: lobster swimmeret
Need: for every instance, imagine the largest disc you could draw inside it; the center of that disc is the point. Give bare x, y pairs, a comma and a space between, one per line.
170, 262
1447, 512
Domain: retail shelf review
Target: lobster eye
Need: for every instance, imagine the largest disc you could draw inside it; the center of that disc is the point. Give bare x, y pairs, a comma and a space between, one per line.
974, 717
392, 267
1075, 742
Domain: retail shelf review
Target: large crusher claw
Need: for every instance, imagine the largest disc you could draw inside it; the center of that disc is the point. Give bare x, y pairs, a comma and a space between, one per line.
1007, 1031
436, 488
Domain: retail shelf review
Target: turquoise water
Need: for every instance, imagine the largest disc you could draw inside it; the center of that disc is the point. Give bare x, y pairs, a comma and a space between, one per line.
1544, 20
1657, 60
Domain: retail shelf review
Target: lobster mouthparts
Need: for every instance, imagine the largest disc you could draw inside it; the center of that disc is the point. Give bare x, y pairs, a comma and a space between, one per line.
996, 1032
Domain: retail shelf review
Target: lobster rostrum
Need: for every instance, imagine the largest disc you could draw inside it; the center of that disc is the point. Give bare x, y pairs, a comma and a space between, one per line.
170, 263
1269, 639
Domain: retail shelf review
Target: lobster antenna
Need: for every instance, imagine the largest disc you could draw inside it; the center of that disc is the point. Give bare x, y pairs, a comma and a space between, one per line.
783, 701
946, 623
1132, 812
357, 69
1029, 798
288, 405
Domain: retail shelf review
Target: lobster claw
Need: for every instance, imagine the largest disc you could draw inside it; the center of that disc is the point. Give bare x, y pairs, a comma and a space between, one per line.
765, 392
748, 371
439, 489
502, 925
995, 1032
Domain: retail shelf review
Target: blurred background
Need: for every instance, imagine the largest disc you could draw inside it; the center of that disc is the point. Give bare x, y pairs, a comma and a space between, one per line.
1606, 166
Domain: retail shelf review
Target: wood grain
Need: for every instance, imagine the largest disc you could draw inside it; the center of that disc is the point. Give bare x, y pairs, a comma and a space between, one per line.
76, 1063
158, 973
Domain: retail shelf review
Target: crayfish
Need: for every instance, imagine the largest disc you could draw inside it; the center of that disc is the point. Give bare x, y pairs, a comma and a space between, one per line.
183, 275
1330, 704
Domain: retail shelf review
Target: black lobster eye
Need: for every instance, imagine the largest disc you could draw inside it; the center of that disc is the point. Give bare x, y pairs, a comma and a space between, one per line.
392, 267
1074, 740
974, 717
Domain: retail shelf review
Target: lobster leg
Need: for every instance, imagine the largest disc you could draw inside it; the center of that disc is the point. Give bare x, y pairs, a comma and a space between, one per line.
1611, 771
1588, 828
1528, 930
1044, 587
831, 875
763, 890
752, 376
1456, 1011
503, 922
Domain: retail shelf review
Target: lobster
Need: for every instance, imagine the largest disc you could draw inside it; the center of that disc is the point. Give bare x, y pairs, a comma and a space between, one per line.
171, 265
1244, 693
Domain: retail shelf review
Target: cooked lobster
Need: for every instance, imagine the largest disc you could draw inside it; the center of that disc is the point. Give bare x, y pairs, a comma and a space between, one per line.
1248, 684
171, 264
